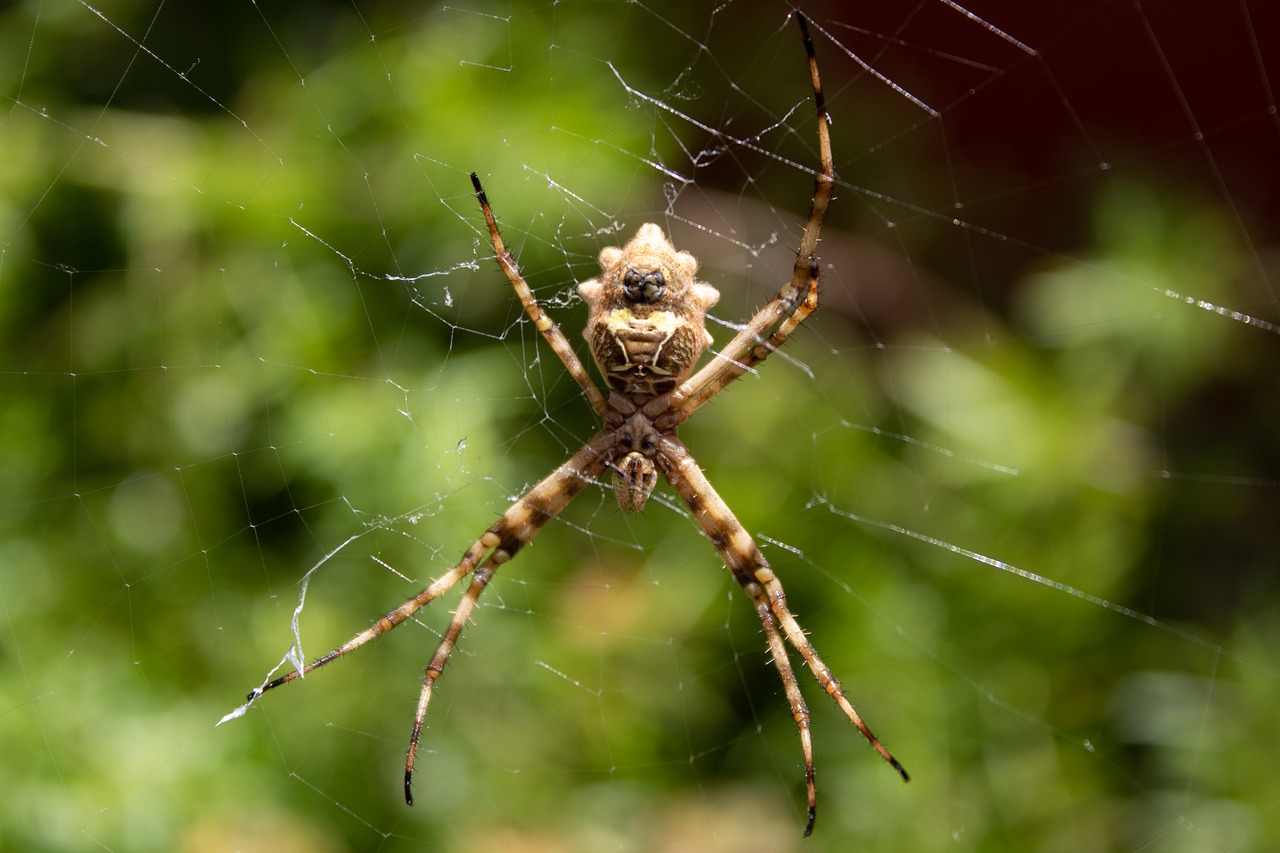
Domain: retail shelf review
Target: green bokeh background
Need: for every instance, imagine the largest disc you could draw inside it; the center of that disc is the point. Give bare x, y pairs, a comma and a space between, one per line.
248, 327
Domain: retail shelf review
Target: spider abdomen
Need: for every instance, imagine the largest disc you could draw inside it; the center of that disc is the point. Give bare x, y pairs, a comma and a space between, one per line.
643, 356
647, 326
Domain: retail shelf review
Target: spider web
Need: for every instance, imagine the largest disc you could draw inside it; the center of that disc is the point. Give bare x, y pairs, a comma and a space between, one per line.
261, 381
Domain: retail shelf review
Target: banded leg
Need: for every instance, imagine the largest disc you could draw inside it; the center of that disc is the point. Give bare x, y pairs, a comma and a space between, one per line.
794, 302
742, 557
443, 584
479, 580
789, 311
519, 524
550, 331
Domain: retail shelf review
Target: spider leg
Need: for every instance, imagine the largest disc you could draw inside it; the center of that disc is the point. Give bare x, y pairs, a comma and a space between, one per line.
796, 300
392, 618
548, 328
742, 557
516, 528
479, 580
751, 349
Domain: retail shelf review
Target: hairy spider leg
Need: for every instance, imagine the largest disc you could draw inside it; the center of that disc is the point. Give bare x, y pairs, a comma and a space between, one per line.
795, 301
752, 571
519, 524
550, 331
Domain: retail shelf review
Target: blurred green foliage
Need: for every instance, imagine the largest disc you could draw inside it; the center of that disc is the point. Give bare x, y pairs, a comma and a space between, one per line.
248, 327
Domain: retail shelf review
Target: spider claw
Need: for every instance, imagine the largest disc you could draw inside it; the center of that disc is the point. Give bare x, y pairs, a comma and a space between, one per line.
808, 827
408, 787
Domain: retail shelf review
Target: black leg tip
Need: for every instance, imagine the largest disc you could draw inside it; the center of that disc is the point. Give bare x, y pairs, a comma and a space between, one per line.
804, 30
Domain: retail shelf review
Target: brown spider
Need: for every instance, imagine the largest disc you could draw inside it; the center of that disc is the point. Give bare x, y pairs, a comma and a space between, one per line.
646, 330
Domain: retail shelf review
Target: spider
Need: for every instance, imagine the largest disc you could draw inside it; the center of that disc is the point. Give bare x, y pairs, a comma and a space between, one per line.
646, 331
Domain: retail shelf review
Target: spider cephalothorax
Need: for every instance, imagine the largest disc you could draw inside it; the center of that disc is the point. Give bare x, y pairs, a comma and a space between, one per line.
647, 330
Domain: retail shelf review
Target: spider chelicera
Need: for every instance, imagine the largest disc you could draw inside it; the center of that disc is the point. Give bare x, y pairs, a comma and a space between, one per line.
646, 330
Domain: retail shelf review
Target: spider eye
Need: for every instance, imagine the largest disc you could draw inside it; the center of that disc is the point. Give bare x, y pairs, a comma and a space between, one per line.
643, 286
